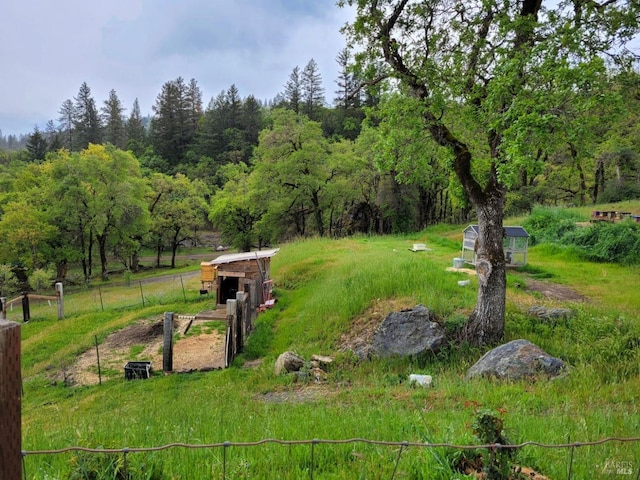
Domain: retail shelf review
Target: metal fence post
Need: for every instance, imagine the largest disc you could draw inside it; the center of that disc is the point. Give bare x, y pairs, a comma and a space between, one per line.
10, 393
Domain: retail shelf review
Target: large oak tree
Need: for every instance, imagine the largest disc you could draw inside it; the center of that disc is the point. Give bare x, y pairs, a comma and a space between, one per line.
493, 63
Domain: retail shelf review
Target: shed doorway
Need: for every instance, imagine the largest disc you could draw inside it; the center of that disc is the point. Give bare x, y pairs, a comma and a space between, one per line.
228, 289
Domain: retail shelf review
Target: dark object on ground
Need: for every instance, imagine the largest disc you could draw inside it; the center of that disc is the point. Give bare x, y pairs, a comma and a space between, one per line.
133, 370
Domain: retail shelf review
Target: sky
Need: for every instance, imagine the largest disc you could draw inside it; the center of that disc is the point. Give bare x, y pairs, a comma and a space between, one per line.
48, 49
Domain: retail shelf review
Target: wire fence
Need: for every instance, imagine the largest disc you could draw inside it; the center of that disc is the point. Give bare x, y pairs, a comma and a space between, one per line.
159, 290
627, 467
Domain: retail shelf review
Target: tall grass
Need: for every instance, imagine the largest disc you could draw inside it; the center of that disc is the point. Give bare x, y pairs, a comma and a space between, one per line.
322, 286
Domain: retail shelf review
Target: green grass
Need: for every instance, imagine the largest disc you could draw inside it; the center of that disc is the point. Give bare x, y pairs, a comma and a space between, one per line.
322, 286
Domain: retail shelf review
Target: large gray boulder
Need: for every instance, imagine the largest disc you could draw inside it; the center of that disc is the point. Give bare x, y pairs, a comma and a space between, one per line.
408, 332
516, 360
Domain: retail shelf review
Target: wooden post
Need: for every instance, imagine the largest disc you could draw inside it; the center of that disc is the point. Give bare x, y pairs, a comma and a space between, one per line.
60, 300
231, 330
167, 346
98, 355
26, 313
240, 318
141, 294
10, 391
3, 312
253, 303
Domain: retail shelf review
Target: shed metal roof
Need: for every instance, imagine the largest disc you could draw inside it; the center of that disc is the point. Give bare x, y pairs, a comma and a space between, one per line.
238, 257
514, 231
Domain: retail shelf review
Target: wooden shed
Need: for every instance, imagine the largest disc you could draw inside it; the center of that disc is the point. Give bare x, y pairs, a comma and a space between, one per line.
515, 244
228, 274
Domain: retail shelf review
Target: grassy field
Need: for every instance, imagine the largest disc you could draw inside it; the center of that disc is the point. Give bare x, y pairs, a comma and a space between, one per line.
325, 288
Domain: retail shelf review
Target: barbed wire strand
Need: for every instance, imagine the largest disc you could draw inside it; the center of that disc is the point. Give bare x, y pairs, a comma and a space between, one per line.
334, 442
403, 445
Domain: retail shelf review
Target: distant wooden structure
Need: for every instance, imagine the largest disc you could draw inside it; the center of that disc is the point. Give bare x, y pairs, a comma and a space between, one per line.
228, 274
515, 244
240, 314
24, 300
613, 216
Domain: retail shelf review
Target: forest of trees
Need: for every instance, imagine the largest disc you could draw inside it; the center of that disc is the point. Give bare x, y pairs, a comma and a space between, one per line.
103, 181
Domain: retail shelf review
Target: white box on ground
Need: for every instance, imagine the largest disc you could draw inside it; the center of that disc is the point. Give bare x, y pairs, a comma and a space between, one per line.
421, 380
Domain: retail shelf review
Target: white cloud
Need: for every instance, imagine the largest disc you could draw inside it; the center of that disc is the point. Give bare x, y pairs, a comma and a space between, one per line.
48, 49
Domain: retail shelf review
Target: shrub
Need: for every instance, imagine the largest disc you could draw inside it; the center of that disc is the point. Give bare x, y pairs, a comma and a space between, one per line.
98, 466
546, 225
618, 191
609, 242
40, 279
8, 280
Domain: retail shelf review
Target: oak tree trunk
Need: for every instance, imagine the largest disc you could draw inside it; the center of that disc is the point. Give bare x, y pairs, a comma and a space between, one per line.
486, 323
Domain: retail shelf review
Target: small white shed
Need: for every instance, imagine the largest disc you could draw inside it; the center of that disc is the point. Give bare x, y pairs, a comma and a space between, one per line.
515, 244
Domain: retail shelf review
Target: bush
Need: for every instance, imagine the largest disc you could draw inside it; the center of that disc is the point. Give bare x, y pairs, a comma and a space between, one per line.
546, 225
98, 466
609, 242
8, 280
618, 191
40, 279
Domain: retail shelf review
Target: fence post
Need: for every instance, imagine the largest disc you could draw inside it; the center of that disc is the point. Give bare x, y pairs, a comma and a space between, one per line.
3, 312
167, 345
253, 298
60, 295
231, 331
141, 294
10, 391
26, 313
240, 319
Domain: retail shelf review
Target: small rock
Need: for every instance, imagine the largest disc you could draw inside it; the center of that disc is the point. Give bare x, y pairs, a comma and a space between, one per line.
319, 375
321, 361
550, 314
420, 380
288, 362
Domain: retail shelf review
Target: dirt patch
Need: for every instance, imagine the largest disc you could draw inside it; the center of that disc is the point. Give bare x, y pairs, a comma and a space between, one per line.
554, 291
142, 341
301, 395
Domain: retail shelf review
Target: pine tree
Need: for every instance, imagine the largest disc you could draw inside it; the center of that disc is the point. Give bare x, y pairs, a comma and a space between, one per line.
65, 122
37, 145
251, 122
172, 127
193, 107
311, 90
135, 131
114, 125
52, 134
347, 96
293, 90
233, 107
86, 120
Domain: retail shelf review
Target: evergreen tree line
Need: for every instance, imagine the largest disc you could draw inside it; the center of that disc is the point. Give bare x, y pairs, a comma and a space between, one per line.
99, 185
